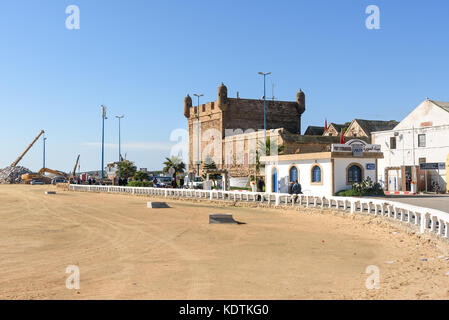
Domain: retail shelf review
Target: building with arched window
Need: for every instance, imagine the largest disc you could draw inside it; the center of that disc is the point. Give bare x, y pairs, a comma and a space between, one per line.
293, 174
317, 176
354, 173
323, 173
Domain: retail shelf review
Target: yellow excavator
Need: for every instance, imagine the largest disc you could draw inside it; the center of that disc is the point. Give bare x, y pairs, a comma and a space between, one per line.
27, 178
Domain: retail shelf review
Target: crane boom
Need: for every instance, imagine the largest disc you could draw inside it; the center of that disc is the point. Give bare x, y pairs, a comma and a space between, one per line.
15, 163
74, 168
55, 172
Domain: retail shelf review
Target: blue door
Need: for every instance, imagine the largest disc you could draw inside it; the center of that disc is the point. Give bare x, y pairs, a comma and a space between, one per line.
274, 183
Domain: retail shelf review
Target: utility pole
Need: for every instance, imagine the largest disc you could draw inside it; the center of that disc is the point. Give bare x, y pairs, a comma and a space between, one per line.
119, 146
198, 114
265, 103
103, 117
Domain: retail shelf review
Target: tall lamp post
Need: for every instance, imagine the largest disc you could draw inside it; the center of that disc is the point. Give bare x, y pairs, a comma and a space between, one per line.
198, 114
119, 146
44, 139
104, 117
265, 103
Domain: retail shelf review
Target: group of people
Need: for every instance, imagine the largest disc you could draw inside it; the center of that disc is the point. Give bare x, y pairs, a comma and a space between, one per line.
122, 182
174, 183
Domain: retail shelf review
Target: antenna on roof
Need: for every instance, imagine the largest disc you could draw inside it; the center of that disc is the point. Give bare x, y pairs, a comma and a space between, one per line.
272, 91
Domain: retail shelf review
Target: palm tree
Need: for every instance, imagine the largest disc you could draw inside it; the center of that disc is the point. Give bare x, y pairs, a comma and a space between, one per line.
175, 163
127, 169
141, 176
209, 164
265, 149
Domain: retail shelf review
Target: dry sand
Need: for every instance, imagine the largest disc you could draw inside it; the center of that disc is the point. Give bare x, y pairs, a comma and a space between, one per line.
126, 251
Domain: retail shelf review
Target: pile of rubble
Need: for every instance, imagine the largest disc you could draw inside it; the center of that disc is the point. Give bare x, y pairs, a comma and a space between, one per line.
13, 174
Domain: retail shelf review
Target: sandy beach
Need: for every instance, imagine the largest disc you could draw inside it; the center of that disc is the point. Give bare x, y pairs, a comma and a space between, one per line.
126, 251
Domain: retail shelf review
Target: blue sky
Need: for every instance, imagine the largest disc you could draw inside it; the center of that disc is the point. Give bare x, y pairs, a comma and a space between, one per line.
140, 58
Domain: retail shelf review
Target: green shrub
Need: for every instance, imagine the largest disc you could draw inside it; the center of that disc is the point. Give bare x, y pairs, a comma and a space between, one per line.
236, 188
146, 184
349, 193
366, 188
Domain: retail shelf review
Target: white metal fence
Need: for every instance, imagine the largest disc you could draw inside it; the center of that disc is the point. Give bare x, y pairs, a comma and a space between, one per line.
427, 220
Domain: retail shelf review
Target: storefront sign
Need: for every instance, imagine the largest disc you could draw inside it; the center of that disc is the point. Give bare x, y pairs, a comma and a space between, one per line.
355, 148
341, 148
370, 166
432, 166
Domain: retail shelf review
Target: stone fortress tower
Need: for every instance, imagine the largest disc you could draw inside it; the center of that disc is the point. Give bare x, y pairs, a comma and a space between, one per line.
240, 116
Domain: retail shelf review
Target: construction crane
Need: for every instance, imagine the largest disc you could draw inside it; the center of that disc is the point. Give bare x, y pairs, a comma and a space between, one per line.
72, 177
15, 163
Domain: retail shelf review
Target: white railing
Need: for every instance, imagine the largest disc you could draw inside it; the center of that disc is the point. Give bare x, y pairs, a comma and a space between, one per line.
426, 219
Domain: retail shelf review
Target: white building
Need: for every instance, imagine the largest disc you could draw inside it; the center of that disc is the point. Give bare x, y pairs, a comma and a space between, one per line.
422, 137
323, 173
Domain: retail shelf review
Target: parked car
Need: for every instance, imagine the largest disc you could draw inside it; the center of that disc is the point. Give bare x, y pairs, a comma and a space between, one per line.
196, 183
36, 182
58, 180
163, 182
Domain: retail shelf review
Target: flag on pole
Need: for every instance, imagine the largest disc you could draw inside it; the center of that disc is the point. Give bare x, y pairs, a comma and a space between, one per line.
342, 137
325, 125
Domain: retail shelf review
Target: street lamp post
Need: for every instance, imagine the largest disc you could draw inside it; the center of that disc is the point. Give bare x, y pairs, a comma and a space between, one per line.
44, 139
119, 146
264, 103
198, 114
104, 117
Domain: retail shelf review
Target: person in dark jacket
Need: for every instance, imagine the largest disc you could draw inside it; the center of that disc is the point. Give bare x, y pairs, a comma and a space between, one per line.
290, 187
296, 190
260, 185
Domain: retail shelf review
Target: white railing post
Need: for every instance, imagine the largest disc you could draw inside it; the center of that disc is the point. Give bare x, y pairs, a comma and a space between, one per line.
277, 200
433, 224
423, 222
446, 229
440, 227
